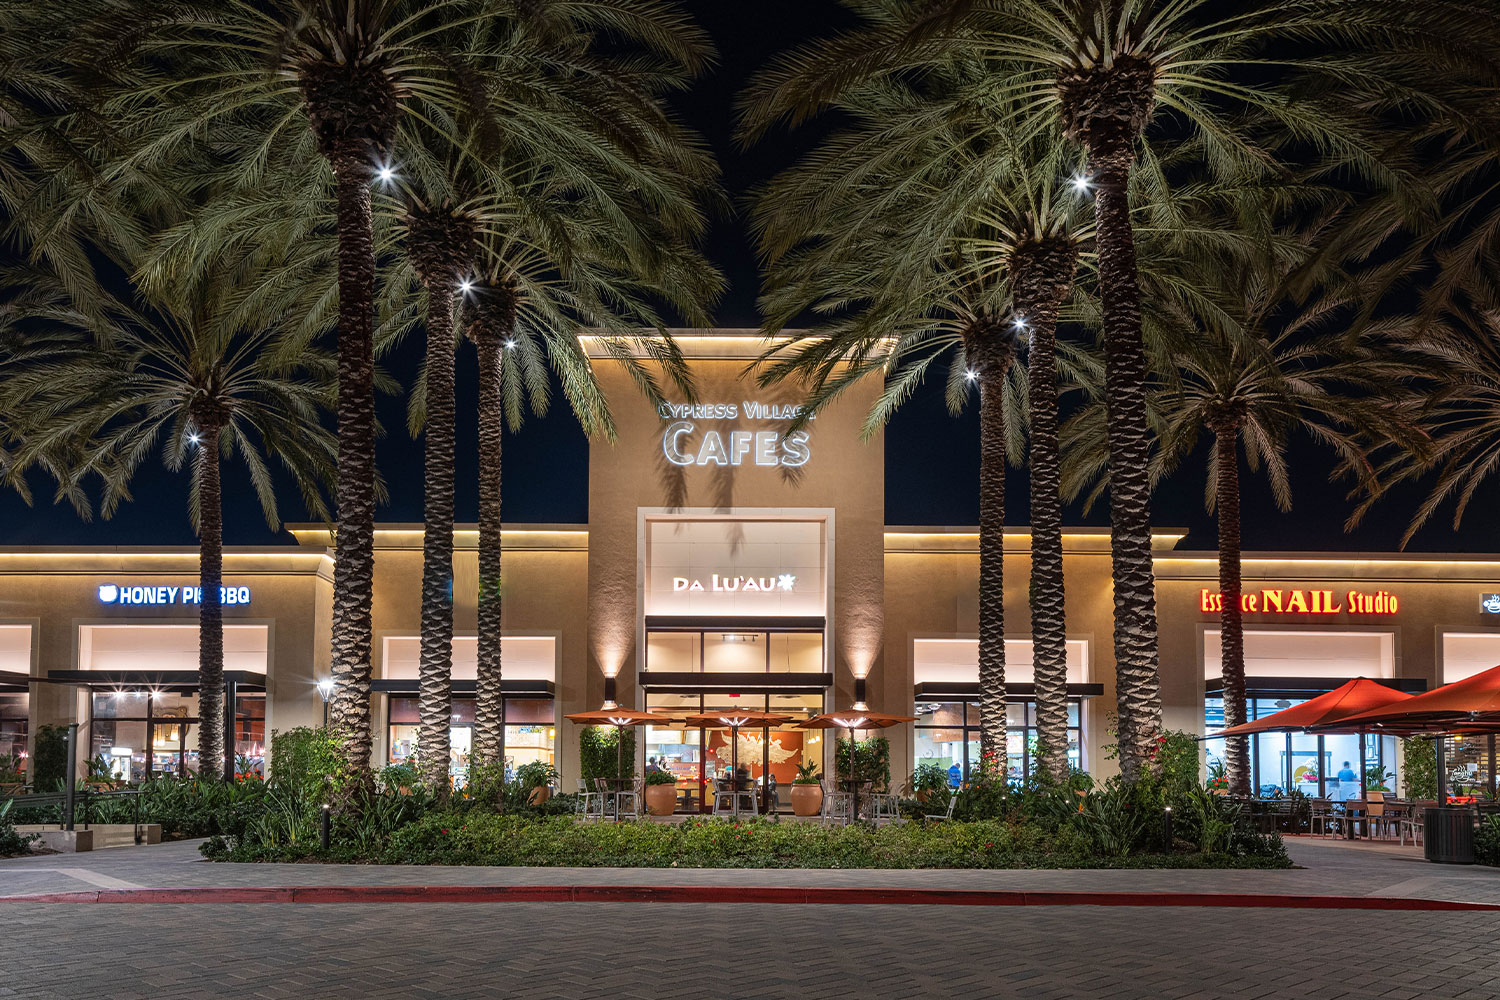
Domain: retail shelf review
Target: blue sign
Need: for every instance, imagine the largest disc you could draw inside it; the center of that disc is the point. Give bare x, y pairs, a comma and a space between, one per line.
1489, 604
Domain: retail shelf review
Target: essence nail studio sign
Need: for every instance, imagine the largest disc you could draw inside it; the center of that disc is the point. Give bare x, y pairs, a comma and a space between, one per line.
1305, 602
682, 445
111, 593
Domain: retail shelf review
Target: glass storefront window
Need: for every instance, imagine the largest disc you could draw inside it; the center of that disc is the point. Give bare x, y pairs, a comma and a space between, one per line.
1311, 764
738, 652
14, 716
530, 733
947, 733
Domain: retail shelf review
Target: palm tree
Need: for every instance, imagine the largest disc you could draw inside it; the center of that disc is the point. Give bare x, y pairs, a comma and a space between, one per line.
185, 374
1116, 76
973, 246
442, 240
321, 89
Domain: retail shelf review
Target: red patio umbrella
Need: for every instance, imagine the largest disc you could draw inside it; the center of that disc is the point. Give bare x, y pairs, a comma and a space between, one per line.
1357, 696
1328, 712
851, 719
1471, 705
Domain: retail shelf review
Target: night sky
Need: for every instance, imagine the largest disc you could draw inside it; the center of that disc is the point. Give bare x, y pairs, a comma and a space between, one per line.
931, 458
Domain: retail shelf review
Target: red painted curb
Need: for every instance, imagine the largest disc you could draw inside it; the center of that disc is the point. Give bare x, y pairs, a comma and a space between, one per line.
779, 895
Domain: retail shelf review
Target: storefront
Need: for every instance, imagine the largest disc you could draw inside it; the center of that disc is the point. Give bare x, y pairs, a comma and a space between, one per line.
729, 561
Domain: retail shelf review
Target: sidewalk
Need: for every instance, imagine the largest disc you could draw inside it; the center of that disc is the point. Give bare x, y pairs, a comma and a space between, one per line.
1329, 868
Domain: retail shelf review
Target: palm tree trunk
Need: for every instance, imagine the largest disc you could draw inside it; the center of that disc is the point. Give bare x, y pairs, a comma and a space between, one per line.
1231, 617
354, 545
435, 667
991, 365
1137, 681
211, 734
489, 722
1049, 630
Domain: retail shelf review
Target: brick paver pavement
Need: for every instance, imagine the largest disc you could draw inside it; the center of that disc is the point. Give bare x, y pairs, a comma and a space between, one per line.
582, 950
719, 950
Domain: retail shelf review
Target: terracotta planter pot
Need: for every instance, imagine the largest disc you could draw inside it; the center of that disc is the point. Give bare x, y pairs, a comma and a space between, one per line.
661, 800
539, 794
922, 794
807, 800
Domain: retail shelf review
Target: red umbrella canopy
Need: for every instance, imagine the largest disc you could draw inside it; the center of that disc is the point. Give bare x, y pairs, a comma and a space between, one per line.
1357, 696
1472, 704
851, 718
737, 718
616, 717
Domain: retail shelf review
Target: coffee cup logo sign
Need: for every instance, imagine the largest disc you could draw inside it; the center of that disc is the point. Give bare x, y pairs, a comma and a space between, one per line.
734, 584
1489, 604
732, 447
112, 593
1305, 602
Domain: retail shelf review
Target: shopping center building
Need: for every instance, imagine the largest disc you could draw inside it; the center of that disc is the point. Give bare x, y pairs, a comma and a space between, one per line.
727, 561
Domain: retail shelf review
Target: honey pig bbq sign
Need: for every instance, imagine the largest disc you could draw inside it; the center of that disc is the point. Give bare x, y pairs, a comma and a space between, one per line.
682, 445
1305, 602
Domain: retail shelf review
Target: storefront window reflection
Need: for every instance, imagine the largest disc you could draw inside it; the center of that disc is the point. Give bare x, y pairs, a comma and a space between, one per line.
1285, 762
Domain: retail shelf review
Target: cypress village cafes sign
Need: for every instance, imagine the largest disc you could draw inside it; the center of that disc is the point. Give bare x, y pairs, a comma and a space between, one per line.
732, 446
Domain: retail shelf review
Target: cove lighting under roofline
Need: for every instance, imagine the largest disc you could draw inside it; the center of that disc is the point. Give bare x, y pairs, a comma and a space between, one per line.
724, 343
1346, 559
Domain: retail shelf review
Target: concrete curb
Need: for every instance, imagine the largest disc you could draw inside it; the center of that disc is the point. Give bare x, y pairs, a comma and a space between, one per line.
778, 895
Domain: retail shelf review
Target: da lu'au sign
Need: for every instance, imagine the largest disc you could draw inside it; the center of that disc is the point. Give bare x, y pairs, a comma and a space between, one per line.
1305, 602
733, 446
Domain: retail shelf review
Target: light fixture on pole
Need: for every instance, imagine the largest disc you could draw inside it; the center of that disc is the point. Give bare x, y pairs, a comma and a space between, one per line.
325, 689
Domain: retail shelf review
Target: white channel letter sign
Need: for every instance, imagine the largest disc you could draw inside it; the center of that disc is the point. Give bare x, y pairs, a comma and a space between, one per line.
111, 593
735, 584
732, 447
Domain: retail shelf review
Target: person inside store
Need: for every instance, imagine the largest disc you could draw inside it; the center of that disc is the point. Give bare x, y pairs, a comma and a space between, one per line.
954, 775
1348, 782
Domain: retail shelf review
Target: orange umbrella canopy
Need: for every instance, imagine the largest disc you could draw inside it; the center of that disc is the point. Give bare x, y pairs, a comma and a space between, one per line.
738, 719
1469, 705
616, 717
1354, 698
851, 718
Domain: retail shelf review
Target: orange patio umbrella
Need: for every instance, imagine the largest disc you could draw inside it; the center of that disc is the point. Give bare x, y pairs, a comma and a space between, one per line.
851, 719
733, 719
619, 718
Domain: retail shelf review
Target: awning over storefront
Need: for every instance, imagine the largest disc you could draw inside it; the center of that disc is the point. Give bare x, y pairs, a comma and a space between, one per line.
11, 681
969, 691
163, 679
411, 687
1472, 702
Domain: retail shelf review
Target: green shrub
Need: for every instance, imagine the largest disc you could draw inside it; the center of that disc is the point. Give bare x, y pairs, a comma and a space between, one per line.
602, 750
1420, 778
872, 761
1487, 841
396, 776
305, 756
12, 842
49, 759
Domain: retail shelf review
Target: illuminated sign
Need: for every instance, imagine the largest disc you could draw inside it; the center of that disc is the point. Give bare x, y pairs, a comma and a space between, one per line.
1305, 602
732, 584
111, 593
733, 447
1489, 604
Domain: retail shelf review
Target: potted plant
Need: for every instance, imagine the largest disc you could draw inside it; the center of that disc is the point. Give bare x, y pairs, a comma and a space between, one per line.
927, 780
661, 792
536, 778
807, 790
1218, 778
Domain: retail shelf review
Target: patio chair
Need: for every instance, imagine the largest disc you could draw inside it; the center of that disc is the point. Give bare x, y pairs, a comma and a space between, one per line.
732, 800
590, 804
835, 803
946, 814
628, 802
1377, 822
887, 807
1323, 815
